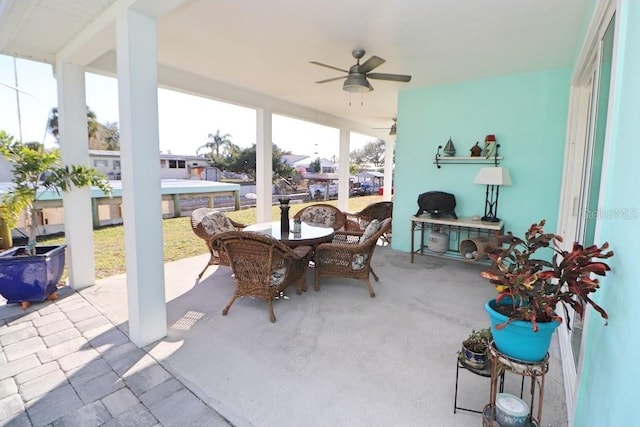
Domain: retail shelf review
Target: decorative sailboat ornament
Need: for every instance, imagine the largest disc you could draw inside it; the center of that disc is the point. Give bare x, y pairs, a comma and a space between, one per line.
449, 149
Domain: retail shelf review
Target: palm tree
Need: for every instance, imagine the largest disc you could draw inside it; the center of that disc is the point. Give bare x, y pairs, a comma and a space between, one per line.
216, 143
221, 149
92, 123
34, 170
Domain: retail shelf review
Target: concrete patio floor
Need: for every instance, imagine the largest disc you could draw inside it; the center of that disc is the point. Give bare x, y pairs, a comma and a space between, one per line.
333, 358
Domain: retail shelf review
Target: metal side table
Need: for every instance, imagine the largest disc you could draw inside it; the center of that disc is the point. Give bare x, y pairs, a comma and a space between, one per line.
484, 372
500, 364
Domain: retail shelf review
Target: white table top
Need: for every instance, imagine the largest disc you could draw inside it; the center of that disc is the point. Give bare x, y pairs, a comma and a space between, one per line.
460, 222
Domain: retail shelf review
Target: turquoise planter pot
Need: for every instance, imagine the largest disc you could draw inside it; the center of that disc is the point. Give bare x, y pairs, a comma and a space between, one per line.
518, 340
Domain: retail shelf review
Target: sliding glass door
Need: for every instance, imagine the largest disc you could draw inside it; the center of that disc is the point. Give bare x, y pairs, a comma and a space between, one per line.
592, 165
583, 166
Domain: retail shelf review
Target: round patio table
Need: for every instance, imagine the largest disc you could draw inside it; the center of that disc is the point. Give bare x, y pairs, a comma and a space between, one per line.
310, 235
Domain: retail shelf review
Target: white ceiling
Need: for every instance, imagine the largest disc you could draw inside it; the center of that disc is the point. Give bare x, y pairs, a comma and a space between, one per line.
266, 46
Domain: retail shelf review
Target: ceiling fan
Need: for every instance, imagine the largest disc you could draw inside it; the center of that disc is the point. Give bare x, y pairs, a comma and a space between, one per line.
356, 78
394, 127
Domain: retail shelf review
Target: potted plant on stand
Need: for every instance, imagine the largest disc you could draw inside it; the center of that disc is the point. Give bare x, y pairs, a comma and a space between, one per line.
524, 314
474, 349
31, 273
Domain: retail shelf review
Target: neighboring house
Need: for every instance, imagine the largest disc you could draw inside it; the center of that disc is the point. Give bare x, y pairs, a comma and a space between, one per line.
173, 166
327, 166
303, 162
297, 160
107, 162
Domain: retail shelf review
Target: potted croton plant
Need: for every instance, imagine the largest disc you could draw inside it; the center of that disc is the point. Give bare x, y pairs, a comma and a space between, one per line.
31, 273
524, 315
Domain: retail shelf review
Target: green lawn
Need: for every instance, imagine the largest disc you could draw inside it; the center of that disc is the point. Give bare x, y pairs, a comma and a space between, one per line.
179, 241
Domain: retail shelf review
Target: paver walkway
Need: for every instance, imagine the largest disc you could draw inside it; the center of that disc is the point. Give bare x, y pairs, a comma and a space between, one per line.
65, 364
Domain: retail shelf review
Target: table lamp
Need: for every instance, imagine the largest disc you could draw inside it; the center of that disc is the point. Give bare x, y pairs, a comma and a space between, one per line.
493, 178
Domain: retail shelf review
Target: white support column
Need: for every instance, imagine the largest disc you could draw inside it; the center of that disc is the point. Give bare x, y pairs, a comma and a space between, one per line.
140, 156
343, 170
264, 167
74, 149
388, 170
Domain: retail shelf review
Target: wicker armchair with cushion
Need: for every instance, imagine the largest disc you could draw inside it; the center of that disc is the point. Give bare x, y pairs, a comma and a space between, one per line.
349, 255
358, 221
322, 215
263, 266
207, 223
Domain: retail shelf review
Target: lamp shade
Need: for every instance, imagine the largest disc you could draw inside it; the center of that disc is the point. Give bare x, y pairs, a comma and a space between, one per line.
357, 83
493, 176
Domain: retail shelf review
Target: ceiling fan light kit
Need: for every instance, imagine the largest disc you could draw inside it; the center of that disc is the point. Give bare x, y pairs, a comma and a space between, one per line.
357, 83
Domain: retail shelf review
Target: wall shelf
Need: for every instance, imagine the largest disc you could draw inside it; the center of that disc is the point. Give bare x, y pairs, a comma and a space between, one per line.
440, 159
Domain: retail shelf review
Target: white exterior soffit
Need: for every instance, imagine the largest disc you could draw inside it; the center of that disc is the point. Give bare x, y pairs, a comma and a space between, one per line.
93, 48
266, 47
193, 84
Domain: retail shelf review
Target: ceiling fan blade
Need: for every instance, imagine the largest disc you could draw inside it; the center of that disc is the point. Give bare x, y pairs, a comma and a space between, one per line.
392, 77
328, 66
332, 79
370, 64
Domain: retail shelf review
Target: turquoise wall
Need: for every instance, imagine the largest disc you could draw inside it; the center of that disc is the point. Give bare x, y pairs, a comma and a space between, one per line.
608, 385
528, 115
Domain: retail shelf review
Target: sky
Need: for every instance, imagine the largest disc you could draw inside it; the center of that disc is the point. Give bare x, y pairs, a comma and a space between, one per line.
185, 120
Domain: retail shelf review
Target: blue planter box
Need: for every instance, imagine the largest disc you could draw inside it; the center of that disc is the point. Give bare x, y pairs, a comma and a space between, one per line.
30, 278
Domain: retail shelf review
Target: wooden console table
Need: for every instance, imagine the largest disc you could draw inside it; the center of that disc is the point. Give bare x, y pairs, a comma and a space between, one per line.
458, 230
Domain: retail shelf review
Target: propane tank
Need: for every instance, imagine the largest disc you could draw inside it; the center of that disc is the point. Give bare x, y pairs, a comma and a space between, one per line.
438, 241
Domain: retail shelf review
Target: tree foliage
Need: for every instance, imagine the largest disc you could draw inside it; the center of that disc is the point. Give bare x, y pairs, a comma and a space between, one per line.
356, 157
373, 152
107, 137
101, 136
221, 150
316, 166
245, 162
53, 126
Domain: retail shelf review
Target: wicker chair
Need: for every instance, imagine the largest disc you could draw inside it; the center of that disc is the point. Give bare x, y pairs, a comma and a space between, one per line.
263, 266
322, 215
358, 221
207, 223
349, 255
